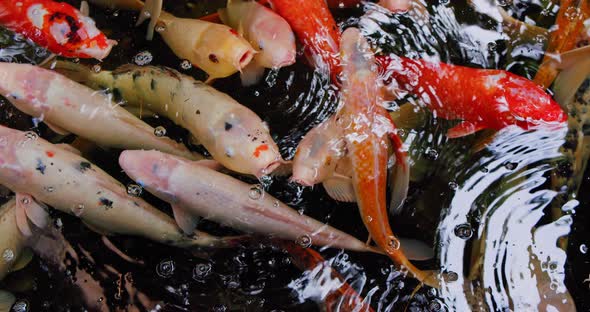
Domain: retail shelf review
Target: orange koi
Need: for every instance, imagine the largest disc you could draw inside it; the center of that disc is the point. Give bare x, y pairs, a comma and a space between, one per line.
366, 132
57, 26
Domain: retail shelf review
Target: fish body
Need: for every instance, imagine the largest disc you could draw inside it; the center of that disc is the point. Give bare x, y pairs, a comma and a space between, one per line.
481, 98
366, 141
233, 134
217, 49
70, 183
316, 29
266, 31
318, 153
197, 190
57, 26
67, 106
12, 241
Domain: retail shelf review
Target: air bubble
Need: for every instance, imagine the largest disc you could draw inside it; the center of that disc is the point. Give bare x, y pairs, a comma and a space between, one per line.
463, 231
304, 241
393, 243
96, 68
165, 268
186, 65
492, 46
275, 203
30, 135
504, 2
78, 210
21, 306
160, 28
435, 306
147, 13
8, 255
554, 286
584, 249
49, 189
134, 190
453, 185
25, 201
451, 276
256, 192
201, 271
510, 166
143, 58
432, 154
160, 131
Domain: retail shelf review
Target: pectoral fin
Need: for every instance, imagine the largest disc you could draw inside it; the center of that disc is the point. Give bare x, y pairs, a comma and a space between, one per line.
152, 9
185, 221
464, 128
252, 73
57, 129
400, 184
575, 66
340, 188
36, 212
25, 258
22, 222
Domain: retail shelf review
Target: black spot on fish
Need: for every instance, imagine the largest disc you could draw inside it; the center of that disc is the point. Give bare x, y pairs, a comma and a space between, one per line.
228, 126
213, 58
14, 96
106, 202
153, 85
135, 75
198, 112
84, 165
40, 166
72, 35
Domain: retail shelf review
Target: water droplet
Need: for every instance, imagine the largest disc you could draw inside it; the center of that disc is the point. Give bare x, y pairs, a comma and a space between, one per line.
451, 276
186, 65
393, 243
255, 192
25, 201
304, 241
510, 166
78, 210
160, 28
432, 154
134, 190
275, 203
116, 13
256, 93
463, 231
147, 13
453, 185
492, 46
584, 249
160, 131
30, 135
143, 58
553, 286
435, 306
165, 268
8, 255
96, 68
504, 2
100, 299
49, 189
201, 271
431, 293
553, 266
21, 306
484, 169
58, 223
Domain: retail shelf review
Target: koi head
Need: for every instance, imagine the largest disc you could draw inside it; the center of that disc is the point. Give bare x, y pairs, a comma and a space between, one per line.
68, 32
273, 37
242, 142
222, 51
151, 170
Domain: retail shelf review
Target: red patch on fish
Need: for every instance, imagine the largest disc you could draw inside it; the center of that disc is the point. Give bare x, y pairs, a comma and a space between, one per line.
259, 149
50, 154
235, 33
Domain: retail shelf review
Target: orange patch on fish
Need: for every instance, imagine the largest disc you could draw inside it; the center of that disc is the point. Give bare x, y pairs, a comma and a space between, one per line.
259, 149
49, 154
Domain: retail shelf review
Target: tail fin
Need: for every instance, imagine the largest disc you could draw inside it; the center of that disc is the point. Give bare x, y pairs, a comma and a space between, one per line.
76, 72
575, 68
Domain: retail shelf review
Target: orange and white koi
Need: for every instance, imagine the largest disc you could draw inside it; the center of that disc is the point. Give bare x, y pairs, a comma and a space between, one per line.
57, 26
233, 134
367, 145
489, 98
266, 31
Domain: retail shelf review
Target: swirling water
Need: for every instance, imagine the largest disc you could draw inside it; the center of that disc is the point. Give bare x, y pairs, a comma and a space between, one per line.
485, 208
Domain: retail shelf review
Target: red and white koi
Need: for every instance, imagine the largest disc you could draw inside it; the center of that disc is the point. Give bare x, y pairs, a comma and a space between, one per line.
489, 98
233, 134
66, 106
266, 31
57, 26
29, 165
195, 189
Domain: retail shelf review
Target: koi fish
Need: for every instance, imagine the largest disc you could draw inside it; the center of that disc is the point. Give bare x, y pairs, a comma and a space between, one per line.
366, 141
233, 134
266, 31
316, 29
57, 26
488, 98
216, 49
11, 238
343, 299
51, 174
66, 106
197, 189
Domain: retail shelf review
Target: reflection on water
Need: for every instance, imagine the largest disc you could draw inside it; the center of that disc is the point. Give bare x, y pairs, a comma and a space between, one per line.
512, 260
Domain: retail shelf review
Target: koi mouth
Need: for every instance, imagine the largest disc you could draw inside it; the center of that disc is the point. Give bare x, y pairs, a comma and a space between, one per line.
269, 169
245, 59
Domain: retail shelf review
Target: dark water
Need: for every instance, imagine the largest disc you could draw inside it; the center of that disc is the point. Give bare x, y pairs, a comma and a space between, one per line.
485, 212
